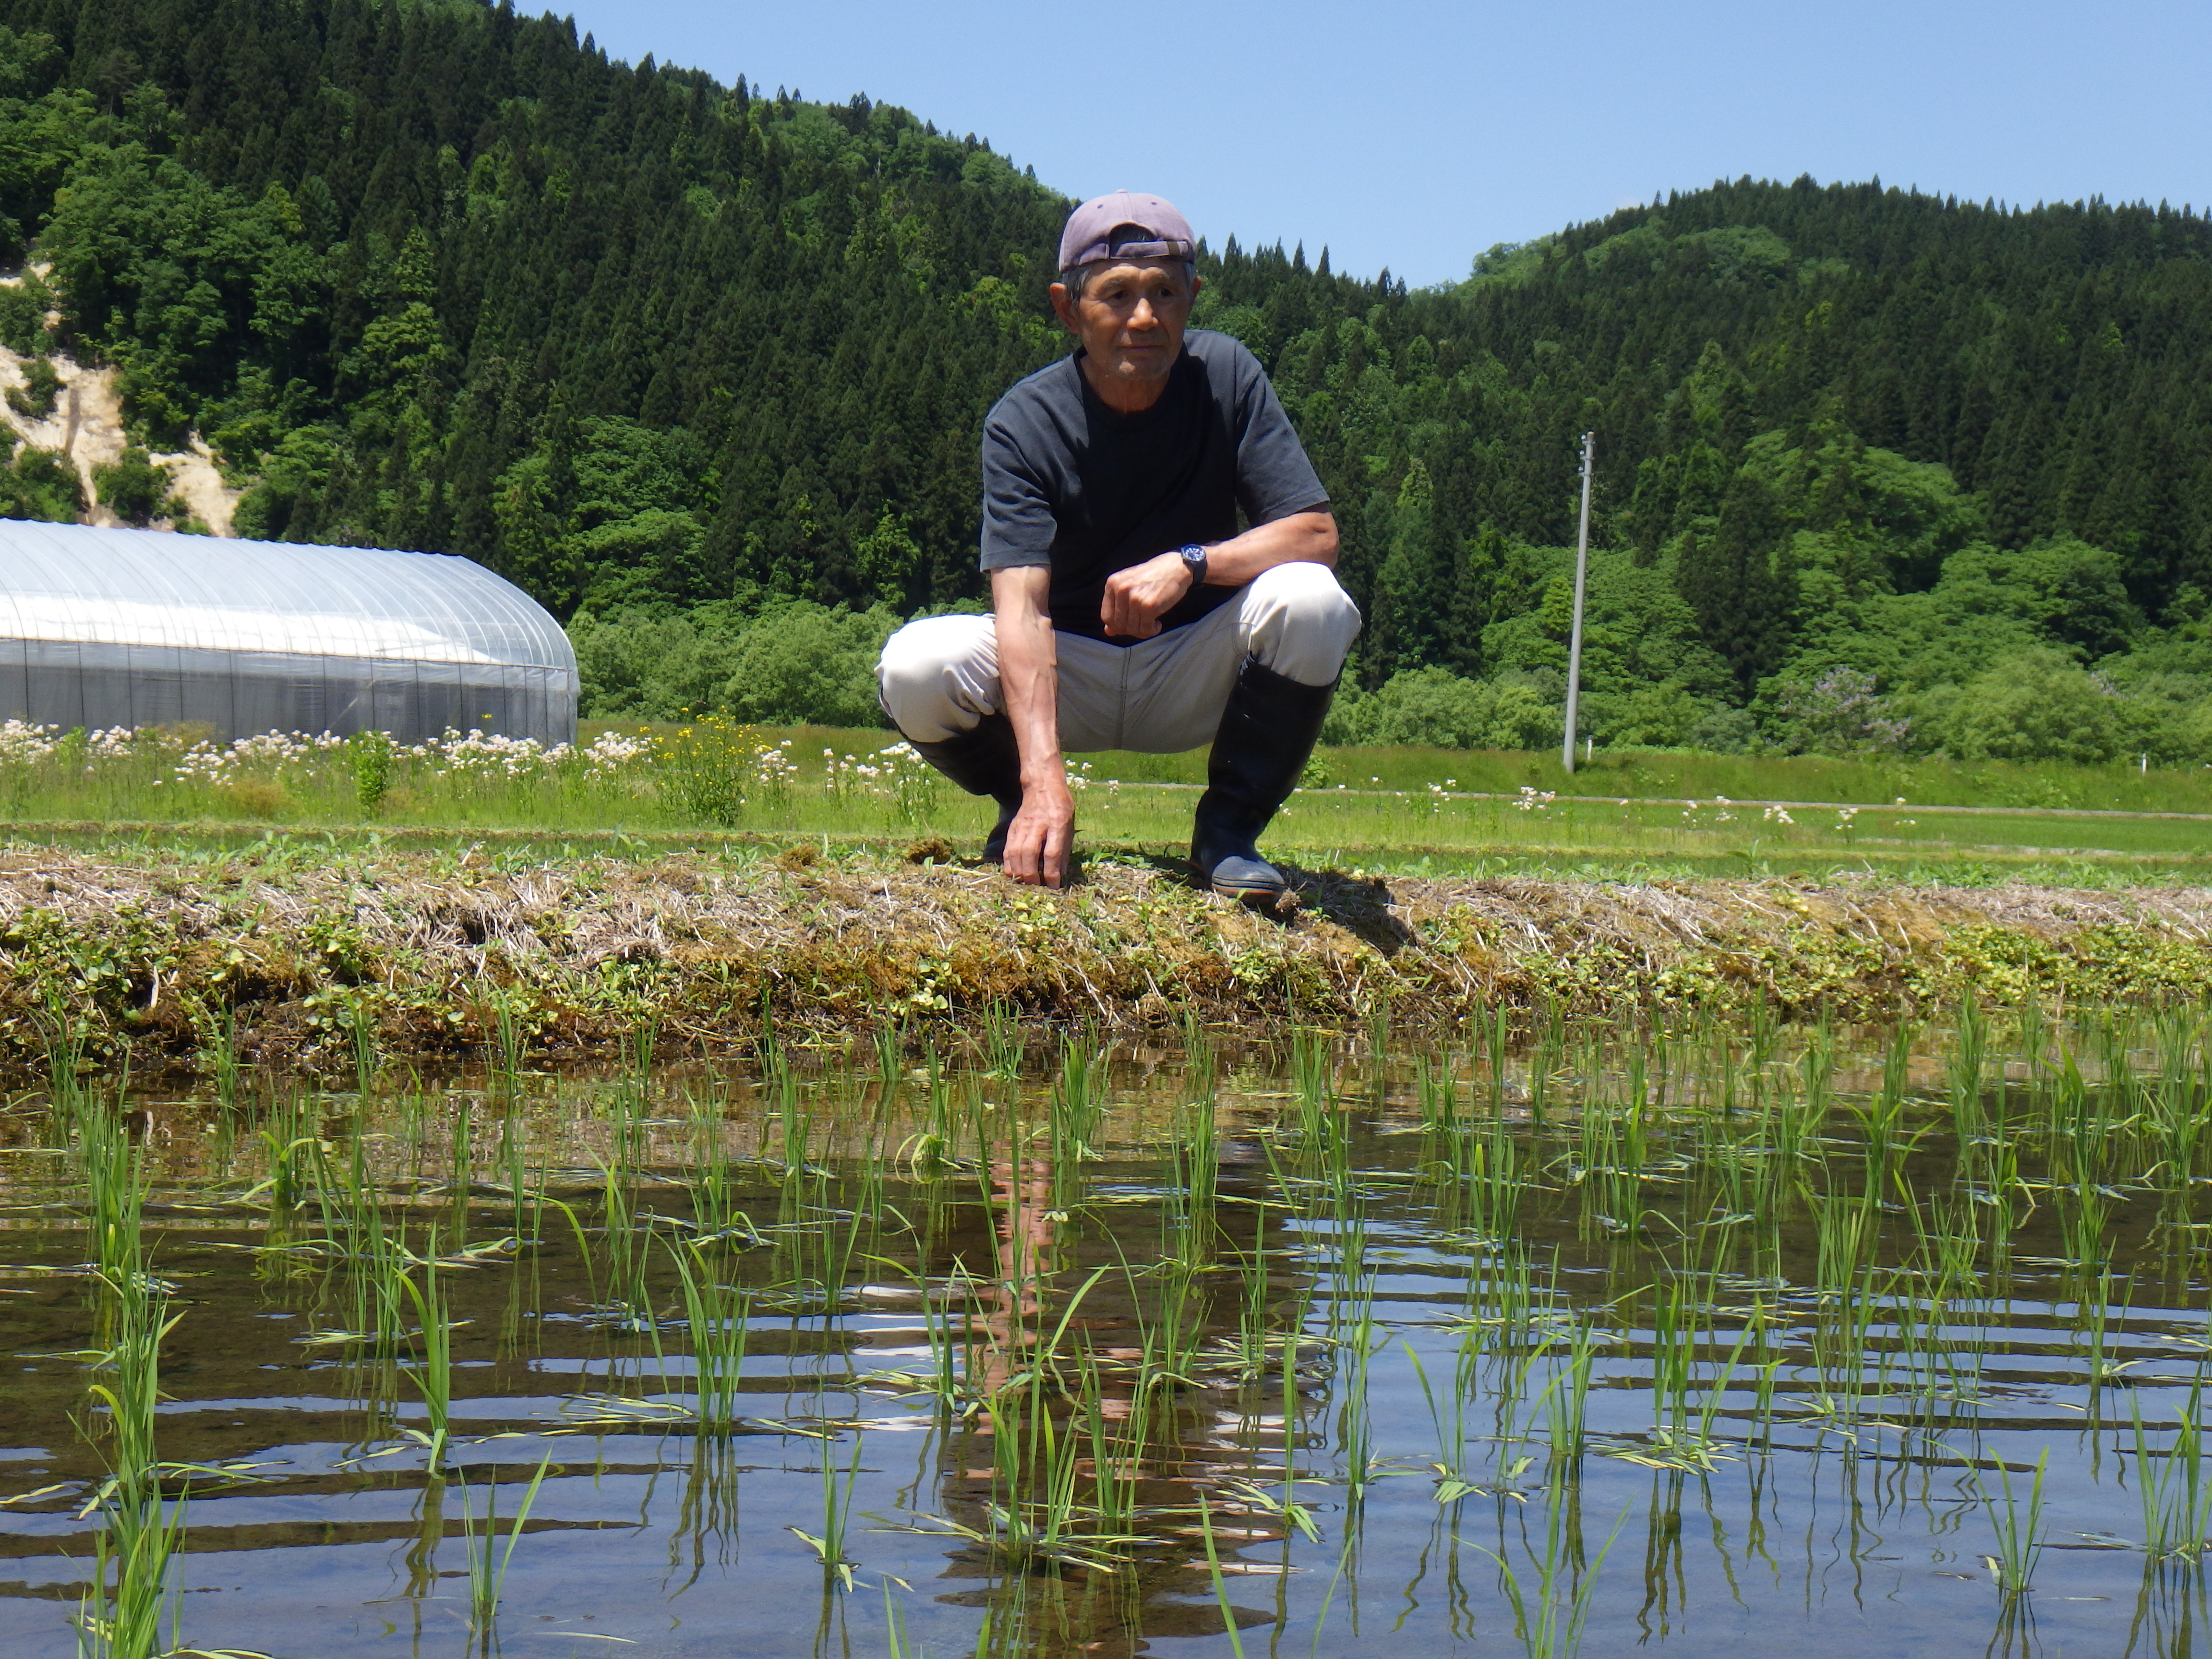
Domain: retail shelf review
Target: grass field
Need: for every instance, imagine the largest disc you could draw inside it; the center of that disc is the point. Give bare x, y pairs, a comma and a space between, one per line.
1648, 775
1629, 815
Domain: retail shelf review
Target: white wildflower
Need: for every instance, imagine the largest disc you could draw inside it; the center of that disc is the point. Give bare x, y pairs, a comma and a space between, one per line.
22, 743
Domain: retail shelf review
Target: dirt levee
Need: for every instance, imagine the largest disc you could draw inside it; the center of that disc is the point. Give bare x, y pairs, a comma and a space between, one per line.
297, 963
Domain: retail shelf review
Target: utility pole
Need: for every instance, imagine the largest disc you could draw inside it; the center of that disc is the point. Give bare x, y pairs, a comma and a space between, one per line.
1581, 584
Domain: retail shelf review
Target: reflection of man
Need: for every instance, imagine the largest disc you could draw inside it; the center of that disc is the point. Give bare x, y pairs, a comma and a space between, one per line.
1134, 1434
1129, 612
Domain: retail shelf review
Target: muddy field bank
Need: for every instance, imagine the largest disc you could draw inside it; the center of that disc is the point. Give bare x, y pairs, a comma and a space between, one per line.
297, 961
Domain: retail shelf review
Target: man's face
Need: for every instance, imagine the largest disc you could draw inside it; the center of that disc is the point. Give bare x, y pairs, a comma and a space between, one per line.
1131, 317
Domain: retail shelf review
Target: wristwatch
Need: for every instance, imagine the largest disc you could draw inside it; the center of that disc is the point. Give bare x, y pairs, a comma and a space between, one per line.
1194, 560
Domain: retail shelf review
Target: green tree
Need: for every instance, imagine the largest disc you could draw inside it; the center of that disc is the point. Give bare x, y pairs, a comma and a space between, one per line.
41, 484
34, 399
1434, 708
637, 664
805, 662
133, 487
889, 562
2035, 705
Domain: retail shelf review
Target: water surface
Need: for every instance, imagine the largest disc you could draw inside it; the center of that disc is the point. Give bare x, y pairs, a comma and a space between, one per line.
1718, 1342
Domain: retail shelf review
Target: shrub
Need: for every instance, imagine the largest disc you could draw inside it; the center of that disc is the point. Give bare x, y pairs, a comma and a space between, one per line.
796, 663
640, 665
1725, 732
2182, 733
806, 664
372, 767
1838, 710
1437, 708
41, 485
132, 487
2034, 705
1654, 717
1523, 718
34, 399
1431, 705
25, 302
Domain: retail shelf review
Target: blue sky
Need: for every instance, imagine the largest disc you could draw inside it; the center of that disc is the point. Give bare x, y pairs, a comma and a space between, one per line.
1413, 134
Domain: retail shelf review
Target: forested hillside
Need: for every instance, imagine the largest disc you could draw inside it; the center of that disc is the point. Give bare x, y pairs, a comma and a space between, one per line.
704, 369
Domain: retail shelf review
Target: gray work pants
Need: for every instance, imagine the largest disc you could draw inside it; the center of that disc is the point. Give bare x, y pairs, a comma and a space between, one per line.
940, 675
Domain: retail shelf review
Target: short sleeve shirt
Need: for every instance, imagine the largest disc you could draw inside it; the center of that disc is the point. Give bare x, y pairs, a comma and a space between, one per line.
1072, 484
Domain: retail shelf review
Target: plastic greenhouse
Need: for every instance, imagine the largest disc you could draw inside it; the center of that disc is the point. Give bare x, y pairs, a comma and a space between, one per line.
134, 628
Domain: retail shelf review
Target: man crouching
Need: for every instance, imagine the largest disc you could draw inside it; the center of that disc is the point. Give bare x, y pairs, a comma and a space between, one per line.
1128, 610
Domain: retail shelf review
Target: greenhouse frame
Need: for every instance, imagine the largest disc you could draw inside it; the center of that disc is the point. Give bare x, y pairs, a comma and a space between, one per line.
102, 628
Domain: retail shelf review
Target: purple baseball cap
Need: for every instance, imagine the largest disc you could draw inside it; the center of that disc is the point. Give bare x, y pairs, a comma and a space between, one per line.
1125, 225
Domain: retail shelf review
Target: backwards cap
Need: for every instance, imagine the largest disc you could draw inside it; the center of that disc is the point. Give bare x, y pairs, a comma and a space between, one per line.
1125, 225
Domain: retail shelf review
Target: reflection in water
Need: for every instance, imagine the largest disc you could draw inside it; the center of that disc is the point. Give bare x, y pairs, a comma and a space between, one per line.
1704, 1339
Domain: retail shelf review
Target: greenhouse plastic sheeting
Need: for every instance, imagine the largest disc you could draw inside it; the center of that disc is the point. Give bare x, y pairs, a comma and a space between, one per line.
132, 627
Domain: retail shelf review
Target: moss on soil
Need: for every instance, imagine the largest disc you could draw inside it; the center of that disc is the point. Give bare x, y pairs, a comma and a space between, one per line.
295, 961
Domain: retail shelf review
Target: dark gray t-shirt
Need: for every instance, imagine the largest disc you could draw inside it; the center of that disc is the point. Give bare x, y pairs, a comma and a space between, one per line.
1070, 484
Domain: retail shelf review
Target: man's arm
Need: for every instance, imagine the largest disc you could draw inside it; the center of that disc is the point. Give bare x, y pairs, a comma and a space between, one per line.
1028, 675
1137, 598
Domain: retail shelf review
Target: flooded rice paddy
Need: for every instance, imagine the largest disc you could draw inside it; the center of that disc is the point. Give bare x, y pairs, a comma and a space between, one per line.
1719, 1341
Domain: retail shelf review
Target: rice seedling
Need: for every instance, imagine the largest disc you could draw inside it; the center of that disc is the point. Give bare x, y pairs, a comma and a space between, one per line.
140, 1533
490, 1553
1455, 1477
1000, 1039
2017, 1521
891, 1044
431, 1370
829, 1545
115, 1183
1189, 1220
221, 1052
717, 1320
1358, 1341
712, 1176
1021, 1546
1154, 1311
2172, 1106
140, 1530
1214, 1572
1074, 1104
380, 1261
1544, 1066
2175, 1497
788, 1115
1551, 1618
509, 1019
364, 1042
1566, 1407
624, 1285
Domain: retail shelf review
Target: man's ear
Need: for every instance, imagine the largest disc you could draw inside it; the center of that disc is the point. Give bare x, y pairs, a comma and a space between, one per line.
1063, 307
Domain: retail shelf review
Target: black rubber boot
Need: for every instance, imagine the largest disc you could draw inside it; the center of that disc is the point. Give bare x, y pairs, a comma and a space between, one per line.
1267, 733
984, 760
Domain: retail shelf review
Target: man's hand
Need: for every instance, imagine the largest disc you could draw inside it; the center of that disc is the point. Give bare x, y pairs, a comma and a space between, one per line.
1136, 598
1037, 841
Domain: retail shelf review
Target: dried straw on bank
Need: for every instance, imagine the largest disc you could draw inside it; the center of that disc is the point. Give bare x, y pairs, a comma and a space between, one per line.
298, 962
